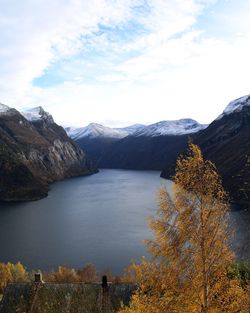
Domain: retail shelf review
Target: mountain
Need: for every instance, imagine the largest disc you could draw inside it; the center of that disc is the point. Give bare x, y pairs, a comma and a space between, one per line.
35, 151
38, 114
144, 152
169, 128
152, 146
226, 142
95, 130
97, 139
136, 146
132, 128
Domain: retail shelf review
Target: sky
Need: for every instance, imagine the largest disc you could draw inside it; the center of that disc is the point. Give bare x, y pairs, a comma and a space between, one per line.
120, 62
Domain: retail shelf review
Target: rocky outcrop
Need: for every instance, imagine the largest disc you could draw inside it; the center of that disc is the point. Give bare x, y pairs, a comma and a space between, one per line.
35, 152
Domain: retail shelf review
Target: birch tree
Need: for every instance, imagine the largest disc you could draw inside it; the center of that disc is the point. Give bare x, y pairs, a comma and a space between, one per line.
191, 247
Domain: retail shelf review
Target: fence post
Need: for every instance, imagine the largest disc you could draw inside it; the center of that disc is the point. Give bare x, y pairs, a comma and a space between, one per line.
105, 295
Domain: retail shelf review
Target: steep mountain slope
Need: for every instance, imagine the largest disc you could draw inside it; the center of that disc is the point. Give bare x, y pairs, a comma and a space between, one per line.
34, 153
226, 142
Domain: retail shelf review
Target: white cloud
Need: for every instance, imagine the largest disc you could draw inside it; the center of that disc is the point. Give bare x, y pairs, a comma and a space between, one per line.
170, 64
36, 33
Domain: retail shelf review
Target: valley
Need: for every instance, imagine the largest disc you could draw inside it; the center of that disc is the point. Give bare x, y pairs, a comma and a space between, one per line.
35, 152
156, 147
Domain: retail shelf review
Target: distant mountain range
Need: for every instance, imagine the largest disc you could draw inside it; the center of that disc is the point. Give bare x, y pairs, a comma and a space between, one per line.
163, 128
95, 130
155, 147
35, 151
136, 146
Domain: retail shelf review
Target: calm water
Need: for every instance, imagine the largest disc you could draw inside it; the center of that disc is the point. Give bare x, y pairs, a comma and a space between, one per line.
99, 219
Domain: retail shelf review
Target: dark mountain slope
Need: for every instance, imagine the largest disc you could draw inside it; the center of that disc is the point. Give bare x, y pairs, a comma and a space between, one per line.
33, 154
96, 148
144, 153
226, 142
145, 147
97, 139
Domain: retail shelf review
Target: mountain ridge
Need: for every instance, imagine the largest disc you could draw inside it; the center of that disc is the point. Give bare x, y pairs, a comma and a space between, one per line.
131, 148
161, 128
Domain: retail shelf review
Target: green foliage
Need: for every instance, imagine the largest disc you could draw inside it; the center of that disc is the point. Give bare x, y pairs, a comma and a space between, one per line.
7, 157
240, 271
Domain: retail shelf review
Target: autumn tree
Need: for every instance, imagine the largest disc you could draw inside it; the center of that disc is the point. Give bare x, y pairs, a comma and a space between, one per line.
65, 274
190, 250
10, 272
5, 276
88, 274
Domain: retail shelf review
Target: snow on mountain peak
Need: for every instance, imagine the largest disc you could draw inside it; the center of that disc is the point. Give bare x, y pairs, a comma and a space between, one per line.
163, 128
236, 105
132, 128
36, 114
177, 127
95, 130
4, 108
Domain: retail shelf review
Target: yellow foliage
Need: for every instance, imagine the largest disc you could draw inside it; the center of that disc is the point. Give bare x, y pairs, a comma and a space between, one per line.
12, 273
65, 275
190, 251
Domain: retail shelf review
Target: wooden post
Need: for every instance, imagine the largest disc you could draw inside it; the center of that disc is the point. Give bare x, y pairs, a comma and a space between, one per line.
104, 282
38, 278
105, 295
35, 287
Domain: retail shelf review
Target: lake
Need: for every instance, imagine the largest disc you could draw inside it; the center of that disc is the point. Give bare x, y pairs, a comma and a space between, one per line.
100, 219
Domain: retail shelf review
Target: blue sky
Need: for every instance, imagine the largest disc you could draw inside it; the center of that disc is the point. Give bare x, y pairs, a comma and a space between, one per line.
120, 62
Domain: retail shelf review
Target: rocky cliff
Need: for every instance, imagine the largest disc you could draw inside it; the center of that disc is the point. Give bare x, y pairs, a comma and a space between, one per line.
35, 151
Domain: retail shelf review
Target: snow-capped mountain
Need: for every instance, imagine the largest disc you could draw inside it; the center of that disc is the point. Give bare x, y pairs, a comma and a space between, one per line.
150, 147
125, 147
164, 128
36, 114
4, 108
132, 128
95, 130
236, 106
